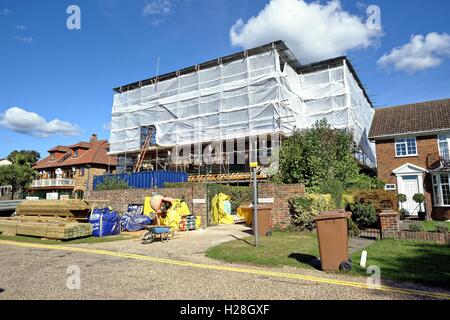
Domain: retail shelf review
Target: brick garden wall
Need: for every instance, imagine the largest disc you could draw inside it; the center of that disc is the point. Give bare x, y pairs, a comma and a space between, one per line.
119, 199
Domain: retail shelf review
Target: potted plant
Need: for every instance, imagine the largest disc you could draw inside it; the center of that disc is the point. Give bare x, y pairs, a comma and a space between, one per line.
402, 199
420, 198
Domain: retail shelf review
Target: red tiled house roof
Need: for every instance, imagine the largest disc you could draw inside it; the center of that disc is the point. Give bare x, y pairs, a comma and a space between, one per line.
93, 153
424, 117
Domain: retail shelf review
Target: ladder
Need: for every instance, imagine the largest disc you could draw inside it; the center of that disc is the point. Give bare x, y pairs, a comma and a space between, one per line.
141, 157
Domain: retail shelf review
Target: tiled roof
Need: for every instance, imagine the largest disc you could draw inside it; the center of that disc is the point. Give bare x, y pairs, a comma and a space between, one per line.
97, 153
431, 116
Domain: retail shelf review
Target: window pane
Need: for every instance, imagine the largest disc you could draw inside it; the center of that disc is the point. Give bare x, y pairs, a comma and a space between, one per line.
401, 149
412, 146
437, 196
444, 178
446, 194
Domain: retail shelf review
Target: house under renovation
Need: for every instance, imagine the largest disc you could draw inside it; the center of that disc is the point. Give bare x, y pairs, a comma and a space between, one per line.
212, 119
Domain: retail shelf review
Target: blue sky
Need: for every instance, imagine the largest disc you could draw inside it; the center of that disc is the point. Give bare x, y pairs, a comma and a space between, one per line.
65, 77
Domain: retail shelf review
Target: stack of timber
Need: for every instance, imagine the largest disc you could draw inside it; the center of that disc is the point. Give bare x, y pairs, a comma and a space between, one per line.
51, 219
55, 208
50, 229
225, 177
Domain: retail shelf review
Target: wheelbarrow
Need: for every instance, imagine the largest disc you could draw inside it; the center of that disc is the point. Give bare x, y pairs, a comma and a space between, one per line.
155, 232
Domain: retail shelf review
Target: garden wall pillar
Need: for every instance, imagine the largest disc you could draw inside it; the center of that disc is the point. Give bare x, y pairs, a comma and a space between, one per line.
389, 223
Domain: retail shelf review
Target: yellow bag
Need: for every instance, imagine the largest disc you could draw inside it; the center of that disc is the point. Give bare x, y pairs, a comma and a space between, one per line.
173, 217
218, 214
198, 222
246, 213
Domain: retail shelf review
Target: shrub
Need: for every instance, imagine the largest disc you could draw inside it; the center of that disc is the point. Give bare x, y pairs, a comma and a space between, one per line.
335, 188
362, 181
441, 228
353, 229
281, 228
364, 215
379, 199
306, 207
402, 198
415, 227
112, 184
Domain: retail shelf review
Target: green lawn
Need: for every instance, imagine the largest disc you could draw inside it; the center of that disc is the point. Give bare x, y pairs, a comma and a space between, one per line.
431, 225
75, 241
283, 248
413, 261
401, 260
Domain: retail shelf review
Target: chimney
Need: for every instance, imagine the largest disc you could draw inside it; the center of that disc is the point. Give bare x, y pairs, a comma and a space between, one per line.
93, 138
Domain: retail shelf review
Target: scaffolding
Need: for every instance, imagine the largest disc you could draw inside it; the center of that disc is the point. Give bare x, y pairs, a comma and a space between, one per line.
263, 91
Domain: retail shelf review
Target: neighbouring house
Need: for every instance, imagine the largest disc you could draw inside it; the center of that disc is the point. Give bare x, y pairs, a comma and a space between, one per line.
412, 146
69, 170
5, 162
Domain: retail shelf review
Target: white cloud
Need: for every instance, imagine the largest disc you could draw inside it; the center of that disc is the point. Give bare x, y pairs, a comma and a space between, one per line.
157, 10
27, 39
22, 121
313, 31
20, 27
6, 12
420, 53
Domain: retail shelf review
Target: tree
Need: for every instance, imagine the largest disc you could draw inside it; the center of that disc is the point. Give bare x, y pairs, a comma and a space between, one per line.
20, 173
24, 157
317, 155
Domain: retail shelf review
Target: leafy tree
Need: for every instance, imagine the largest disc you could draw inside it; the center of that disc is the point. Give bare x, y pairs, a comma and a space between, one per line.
24, 157
313, 156
17, 176
20, 173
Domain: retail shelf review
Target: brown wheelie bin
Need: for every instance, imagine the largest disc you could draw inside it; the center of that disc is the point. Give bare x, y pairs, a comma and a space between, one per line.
332, 233
263, 221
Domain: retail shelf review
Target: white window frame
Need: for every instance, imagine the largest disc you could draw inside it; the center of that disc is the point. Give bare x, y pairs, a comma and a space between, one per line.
437, 176
397, 141
447, 136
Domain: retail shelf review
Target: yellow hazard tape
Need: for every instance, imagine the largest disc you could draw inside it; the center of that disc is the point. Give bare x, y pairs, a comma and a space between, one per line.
229, 268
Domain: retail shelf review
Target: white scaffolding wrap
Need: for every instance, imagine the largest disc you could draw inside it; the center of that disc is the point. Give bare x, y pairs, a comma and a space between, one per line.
247, 97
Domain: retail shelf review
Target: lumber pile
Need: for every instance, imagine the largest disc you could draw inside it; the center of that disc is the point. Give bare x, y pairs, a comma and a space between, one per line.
224, 177
56, 208
49, 228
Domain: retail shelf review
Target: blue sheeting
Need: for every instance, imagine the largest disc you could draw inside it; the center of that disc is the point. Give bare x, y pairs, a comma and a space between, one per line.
104, 222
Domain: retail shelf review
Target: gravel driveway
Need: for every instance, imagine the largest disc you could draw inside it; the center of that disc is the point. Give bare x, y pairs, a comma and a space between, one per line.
31, 273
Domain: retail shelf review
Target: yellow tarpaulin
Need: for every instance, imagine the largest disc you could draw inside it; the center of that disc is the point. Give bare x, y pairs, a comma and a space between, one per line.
148, 210
218, 214
173, 216
246, 213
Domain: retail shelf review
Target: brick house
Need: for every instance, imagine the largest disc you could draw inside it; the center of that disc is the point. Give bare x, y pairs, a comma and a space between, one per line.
70, 170
412, 146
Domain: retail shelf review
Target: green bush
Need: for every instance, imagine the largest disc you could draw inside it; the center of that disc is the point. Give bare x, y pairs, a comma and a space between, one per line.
364, 215
112, 184
415, 227
441, 228
361, 182
335, 188
305, 208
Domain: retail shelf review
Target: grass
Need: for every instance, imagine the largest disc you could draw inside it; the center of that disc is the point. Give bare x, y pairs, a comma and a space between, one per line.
409, 261
283, 248
424, 263
431, 225
88, 240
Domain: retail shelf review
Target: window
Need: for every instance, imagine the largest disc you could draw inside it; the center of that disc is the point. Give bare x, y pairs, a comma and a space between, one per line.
390, 187
444, 142
441, 189
406, 147
75, 153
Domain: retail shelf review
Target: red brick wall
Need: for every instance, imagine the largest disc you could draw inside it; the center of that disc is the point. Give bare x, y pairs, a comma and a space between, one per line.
387, 162
281, 194
440, 213
119, 199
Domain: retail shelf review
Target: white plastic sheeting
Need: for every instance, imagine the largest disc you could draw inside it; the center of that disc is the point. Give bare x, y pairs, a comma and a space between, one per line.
242, 98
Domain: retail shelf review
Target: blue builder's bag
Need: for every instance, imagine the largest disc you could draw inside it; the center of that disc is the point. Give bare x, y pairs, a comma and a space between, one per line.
134, 222
104, 222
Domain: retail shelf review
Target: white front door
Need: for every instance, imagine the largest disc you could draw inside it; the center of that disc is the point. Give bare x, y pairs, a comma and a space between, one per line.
410, 188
